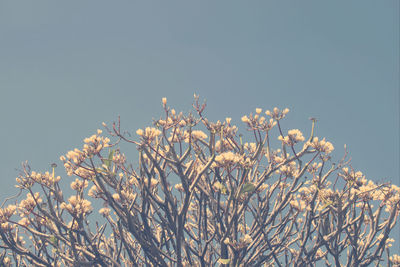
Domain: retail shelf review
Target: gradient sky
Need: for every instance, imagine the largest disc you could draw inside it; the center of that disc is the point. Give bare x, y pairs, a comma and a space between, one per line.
67, 66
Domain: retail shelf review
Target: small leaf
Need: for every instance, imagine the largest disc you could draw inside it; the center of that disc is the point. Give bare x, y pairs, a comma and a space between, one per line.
53, 240
224, 261
247, 188
108, 161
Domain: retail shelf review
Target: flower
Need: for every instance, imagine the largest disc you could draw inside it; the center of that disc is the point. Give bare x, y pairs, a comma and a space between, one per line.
395, 259
245, 119
247, 239
153, 182
104, 211
116, 197
179, 187
24, 222
140, 132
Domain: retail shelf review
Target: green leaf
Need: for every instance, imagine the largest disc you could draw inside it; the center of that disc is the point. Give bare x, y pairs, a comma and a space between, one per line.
53, 240
224, 261
108, 161
247, 188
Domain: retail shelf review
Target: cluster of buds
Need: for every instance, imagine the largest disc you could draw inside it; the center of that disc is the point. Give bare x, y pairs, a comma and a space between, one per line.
259, 122
229, 130
277, 114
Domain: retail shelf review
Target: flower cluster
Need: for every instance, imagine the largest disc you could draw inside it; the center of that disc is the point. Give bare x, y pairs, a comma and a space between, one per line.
197, 135
74, 158
259, 122
105, 211
77, 206
94, 192
179, 135
6, 213
227, 159
27, 205
298, 204
395, 259
79, 185
277, 114
94, 144
294, 136
322, 146
289, 169
149, 134
45, 179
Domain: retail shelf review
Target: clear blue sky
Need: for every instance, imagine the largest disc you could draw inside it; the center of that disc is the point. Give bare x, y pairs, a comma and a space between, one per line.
67, 66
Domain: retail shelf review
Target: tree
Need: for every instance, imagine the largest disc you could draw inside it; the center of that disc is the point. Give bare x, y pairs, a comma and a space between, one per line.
201, 198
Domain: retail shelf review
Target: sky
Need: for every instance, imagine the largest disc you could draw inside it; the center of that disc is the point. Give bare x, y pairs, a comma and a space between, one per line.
67, 66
